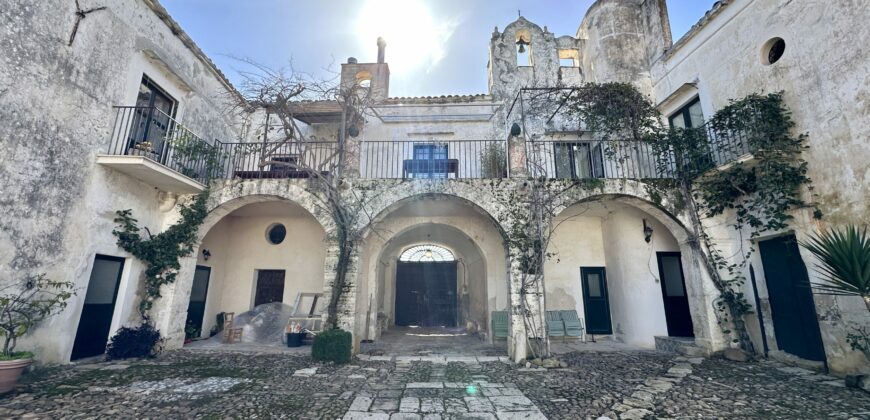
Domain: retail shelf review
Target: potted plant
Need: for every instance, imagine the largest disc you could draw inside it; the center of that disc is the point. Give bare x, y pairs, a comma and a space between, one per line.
22, 306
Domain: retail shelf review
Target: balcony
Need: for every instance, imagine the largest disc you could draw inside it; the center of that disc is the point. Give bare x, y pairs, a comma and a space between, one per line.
151, 146
451, 159
709, 150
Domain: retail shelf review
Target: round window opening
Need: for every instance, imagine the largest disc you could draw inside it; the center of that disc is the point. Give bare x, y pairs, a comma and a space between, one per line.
773, 51
276, 233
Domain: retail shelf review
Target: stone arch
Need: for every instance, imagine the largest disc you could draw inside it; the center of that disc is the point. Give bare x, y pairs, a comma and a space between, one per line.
170, 310
474, 196
232, 197
663, 216
483, 262
699, 287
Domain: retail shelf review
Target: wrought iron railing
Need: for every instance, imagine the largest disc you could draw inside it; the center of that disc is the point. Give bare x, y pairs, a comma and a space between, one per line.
460, 159
153, 134
596, 159
702, 149
273, 160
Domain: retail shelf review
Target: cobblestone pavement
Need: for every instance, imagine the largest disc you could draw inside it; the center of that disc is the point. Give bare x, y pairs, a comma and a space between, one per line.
222, 384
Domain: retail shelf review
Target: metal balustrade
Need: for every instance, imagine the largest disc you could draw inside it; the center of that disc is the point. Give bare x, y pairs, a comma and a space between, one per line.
452, 159
150, 133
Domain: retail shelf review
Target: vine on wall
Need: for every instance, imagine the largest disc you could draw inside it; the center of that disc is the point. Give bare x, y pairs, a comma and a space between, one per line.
761, 191
161, 253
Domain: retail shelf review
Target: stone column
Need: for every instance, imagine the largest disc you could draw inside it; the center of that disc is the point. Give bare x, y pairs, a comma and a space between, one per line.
517, 157
351, 161
701, 293
347, 304
169, 312
519, 334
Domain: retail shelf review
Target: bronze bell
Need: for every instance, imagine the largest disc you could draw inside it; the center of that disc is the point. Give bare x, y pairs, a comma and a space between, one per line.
522, 43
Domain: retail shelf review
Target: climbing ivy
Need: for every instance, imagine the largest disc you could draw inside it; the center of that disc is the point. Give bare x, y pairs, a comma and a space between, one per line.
761, 191
161, 253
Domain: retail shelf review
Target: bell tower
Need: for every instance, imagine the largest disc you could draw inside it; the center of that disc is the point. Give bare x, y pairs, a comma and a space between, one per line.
374, 76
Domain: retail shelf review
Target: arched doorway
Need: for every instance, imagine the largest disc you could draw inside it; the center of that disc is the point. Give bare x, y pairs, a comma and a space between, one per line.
426, 287
624, 271
433, 260
262, 252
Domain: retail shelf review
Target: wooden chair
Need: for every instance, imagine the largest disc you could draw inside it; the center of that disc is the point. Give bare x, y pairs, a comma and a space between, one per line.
231, 335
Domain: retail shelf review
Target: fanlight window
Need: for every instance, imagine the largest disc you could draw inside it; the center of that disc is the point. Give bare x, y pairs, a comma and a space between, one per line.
426, 253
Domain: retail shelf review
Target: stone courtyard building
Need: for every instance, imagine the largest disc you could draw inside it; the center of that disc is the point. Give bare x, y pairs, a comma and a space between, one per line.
91, 120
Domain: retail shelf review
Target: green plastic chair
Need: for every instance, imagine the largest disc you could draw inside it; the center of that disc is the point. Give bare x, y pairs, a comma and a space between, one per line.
555, 325
500, 325
573, 323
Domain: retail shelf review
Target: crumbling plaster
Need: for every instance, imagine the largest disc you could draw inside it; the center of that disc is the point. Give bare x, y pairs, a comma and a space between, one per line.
827, 93
58, 205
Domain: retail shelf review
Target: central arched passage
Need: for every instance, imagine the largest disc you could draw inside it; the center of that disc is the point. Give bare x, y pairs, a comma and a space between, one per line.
433, 266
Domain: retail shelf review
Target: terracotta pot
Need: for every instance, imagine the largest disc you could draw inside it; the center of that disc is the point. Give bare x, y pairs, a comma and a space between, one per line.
10, 371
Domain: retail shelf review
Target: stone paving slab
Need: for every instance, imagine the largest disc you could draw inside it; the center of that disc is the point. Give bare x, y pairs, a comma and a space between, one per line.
618, 385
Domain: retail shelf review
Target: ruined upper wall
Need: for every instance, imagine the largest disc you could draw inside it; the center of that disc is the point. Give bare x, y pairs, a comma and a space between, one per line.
506, 76
622, 38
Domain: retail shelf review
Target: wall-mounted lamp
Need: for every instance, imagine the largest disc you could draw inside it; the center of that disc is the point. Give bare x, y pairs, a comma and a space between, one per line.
206, 254
516, 130
647, 232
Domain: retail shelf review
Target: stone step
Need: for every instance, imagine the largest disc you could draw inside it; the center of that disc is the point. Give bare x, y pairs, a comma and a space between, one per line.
680, 345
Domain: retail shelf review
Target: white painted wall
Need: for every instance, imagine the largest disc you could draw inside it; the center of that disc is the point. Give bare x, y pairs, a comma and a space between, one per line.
239, 248
608, 234
636, 305
823, 74
576, 242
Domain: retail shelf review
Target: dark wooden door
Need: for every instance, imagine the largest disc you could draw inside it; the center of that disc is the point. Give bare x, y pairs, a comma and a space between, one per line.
426, 294
795, 323
595, 302
198, 293
676, 301
95, 322
270, 287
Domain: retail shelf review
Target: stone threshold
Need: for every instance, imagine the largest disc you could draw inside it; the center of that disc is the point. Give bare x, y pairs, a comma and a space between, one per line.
434, 359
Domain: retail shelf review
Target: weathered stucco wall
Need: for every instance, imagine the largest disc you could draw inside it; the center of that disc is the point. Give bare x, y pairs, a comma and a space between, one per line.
827, 92
239, 248
636, 303
58, 205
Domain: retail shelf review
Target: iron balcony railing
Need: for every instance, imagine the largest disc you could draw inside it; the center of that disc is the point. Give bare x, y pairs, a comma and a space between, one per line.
703, 148
573, 159
275, 160
153, 134
459, 159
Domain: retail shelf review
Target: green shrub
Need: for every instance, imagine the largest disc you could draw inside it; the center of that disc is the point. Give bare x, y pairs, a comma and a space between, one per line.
332, 346
141, 341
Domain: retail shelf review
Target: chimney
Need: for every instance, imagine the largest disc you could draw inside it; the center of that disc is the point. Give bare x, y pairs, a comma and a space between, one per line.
382, 45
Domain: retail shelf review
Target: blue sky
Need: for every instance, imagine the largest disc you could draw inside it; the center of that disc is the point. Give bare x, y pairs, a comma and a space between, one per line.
434, 47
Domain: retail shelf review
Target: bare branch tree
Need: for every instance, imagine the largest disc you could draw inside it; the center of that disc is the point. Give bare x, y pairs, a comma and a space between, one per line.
278, 98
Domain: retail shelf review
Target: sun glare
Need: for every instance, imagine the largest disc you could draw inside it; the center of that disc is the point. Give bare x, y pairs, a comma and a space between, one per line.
414, 39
